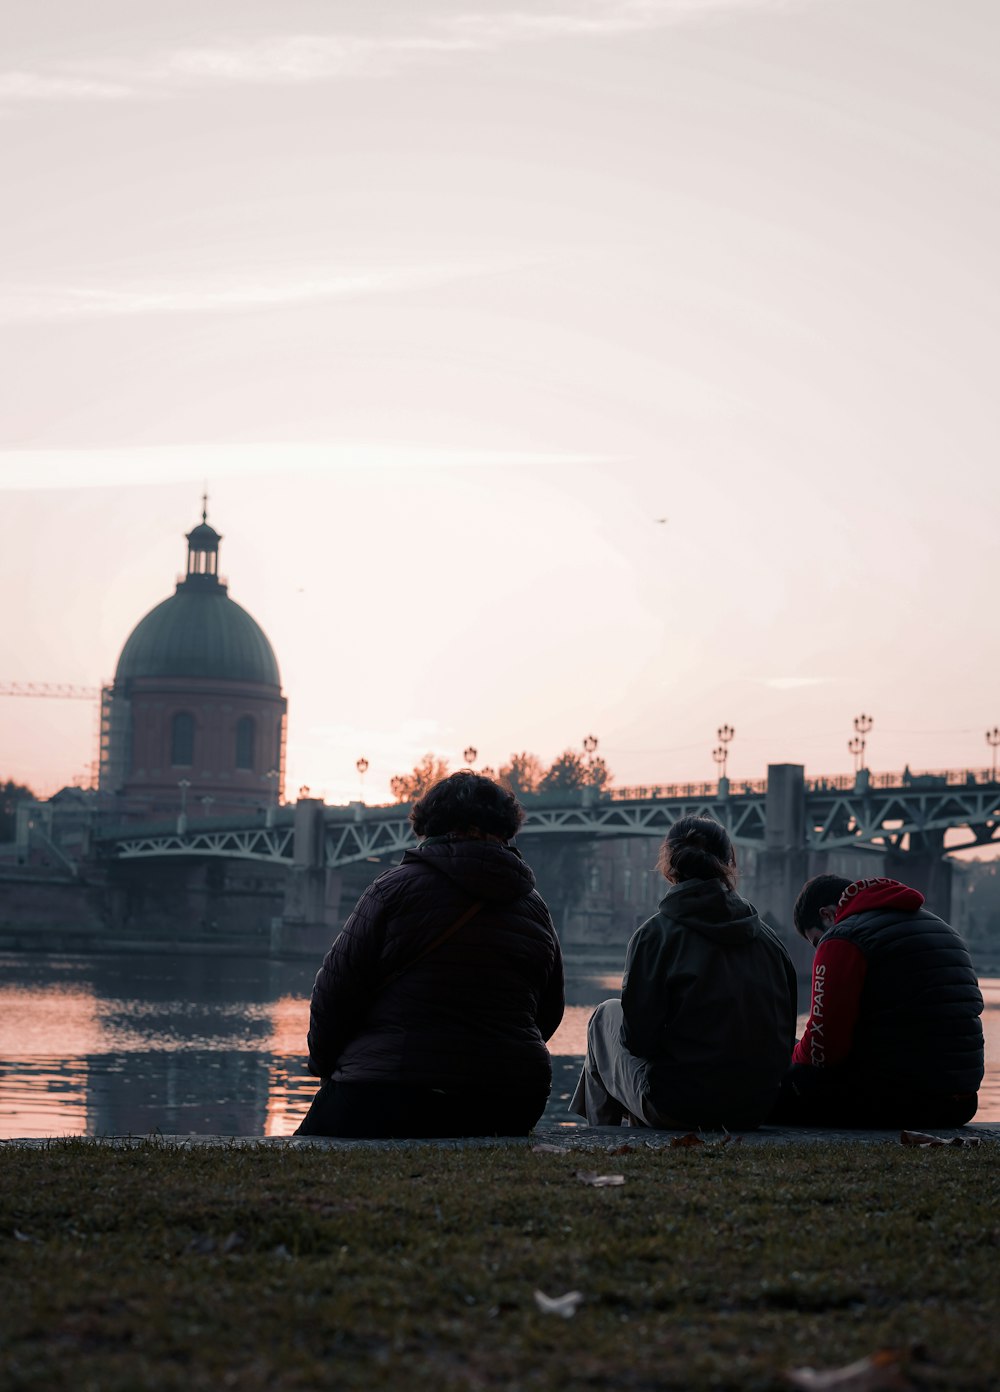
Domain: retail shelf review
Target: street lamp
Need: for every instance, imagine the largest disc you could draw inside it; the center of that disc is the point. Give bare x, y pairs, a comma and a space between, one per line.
720, 753
590, 747
993, 739
723, 734
862, 726
362, 768
206, 803
470, 755
183, 784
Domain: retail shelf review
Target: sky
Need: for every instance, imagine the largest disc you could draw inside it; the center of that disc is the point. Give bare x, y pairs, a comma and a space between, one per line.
612, 367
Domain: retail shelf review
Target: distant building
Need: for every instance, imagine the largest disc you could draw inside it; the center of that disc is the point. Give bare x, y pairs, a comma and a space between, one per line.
195, 718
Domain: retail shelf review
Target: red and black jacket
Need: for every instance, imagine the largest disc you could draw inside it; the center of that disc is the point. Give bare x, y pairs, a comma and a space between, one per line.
894, 995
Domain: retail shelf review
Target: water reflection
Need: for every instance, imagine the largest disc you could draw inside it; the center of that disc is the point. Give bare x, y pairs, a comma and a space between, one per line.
118, 1045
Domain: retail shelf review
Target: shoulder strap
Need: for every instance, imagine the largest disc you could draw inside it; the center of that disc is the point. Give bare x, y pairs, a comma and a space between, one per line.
453, 928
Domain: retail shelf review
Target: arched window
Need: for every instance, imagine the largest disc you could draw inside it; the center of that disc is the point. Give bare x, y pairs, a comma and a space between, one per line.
182, 739
244, 742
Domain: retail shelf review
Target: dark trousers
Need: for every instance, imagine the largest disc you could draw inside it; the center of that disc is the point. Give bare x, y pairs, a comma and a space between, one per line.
376, 1111
839, 1097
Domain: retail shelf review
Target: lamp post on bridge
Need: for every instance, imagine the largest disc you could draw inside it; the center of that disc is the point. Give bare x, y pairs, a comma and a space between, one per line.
470, 755
589, 789
182, 821
720, 754
862, 727
362, 768
993, 739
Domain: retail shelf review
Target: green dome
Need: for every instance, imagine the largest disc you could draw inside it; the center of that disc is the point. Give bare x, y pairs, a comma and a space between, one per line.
199, 632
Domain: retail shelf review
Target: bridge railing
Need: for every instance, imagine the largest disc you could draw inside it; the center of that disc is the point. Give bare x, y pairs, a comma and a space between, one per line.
670, 792
835, 783
909, 778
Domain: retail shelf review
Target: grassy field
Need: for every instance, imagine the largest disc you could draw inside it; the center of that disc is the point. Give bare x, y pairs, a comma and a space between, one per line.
710, 1267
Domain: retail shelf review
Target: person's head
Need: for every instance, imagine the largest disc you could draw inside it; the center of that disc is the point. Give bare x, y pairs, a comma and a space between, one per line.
697, 848
816, 906
467, 804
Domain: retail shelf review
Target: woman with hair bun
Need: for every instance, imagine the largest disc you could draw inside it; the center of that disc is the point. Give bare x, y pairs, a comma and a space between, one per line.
706, 1022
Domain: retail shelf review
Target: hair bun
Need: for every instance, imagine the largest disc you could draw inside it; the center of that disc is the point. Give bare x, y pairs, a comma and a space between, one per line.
698, 848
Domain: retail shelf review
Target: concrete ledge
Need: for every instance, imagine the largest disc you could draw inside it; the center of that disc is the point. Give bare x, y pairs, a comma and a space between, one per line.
566, 1138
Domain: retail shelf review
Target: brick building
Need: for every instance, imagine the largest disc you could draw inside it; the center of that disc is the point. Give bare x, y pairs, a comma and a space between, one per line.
194, 721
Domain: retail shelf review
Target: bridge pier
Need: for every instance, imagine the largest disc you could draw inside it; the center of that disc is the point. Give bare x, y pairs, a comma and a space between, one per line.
783, 865
312, 892
925, 867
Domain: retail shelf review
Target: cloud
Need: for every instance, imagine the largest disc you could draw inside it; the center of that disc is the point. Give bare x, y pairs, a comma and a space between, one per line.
792, 683
298, 59
36, 470
222, 292
33, 87
306, 58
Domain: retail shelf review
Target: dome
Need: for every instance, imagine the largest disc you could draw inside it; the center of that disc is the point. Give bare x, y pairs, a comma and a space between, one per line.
203, 538
199, 632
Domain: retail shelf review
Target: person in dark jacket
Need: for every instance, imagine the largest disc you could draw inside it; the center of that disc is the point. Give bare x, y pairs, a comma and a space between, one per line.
430, 1012
894, 1036
706, 1020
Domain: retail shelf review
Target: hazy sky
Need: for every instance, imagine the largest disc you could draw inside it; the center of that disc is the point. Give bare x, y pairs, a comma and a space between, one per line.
450, 305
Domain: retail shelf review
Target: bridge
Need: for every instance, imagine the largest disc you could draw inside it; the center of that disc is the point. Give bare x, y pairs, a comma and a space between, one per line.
785, 828
891, 812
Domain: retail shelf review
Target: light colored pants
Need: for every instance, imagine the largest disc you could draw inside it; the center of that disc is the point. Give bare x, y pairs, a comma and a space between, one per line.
613, 1088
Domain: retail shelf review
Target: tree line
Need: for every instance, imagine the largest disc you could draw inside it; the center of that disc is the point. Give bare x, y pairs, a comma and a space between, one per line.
524, 774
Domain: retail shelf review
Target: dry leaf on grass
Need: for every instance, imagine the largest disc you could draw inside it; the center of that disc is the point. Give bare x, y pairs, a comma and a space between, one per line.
565, 1305
689, 1140
879, 1372
600, 1181
922, 1138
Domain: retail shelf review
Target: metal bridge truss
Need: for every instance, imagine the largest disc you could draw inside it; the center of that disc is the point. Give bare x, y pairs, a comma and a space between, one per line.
346, 842
886, 816
834, 818
743, 817
255, 843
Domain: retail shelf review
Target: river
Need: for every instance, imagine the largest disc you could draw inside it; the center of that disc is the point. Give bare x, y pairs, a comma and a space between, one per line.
134, 1044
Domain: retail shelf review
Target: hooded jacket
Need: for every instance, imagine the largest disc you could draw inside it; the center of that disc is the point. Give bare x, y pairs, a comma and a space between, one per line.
894, 997
476, 1010
709, 999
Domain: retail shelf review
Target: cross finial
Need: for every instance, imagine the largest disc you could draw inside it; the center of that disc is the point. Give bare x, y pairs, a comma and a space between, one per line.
204, 504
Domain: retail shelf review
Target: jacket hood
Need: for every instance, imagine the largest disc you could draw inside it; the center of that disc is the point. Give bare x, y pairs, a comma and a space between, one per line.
711, 908
878, 893
483, 869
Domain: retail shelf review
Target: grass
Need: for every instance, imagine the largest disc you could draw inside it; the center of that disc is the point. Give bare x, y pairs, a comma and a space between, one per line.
711, 1267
